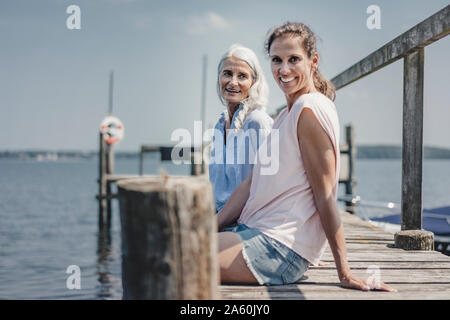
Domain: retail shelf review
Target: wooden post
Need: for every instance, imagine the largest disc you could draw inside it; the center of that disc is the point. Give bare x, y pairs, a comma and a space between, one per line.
196, 167
141, 162
169, 238
350, 207
414, 240
102, 183
412, 149
412, 155
109, 170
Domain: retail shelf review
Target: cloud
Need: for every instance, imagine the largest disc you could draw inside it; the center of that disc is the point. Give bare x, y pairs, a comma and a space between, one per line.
210, 21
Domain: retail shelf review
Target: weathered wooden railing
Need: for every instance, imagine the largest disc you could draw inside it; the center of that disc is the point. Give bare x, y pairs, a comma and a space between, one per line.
107, 177
409, 46
166, 155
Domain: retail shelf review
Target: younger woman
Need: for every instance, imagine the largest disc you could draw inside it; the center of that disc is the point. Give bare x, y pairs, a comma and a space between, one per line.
285, 220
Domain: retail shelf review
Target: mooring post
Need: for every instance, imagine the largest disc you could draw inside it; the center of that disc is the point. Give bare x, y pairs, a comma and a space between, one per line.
141, 162
350, 139
109, 171
196, 161
411, 236
169, 238
101, 183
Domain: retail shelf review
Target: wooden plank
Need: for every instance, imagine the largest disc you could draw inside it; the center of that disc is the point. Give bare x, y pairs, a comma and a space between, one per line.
309, 291
431, 29
367, 236
404, 265
365, 226
389, 276
390, 256
352, 246
117, 177
416, 274
374, 245
361, 233
361, 241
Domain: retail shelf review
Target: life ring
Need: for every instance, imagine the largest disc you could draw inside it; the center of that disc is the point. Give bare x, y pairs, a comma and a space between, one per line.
112, 129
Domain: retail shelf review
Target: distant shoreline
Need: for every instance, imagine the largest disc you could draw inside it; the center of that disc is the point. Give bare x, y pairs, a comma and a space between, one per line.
362, 152
395, 152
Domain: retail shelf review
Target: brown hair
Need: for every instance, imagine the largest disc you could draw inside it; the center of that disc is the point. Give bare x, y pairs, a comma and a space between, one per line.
301, 30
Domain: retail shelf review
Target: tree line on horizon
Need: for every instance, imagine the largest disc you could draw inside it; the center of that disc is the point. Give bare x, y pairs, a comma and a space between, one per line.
362, 152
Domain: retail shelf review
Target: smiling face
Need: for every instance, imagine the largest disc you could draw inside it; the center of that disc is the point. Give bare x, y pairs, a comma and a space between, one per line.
291, 67
235, 80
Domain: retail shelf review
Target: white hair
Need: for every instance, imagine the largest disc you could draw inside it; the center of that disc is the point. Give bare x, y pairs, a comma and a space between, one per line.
259, 91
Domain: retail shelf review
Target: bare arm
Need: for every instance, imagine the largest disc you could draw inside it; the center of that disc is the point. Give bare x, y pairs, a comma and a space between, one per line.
236, 202
320, 165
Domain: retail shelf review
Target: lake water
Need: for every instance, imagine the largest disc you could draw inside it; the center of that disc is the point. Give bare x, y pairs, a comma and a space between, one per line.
49, 216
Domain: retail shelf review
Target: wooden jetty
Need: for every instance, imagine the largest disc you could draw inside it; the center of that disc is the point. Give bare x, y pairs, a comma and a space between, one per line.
167, 222
415, 274
107, 177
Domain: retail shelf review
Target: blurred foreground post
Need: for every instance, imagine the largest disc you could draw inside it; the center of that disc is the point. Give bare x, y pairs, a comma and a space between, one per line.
169, 238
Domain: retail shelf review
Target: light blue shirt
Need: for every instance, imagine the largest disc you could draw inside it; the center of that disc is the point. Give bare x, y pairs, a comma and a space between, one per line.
231, 163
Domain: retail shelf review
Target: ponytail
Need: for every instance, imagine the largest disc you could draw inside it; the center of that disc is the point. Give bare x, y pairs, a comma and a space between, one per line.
323, 85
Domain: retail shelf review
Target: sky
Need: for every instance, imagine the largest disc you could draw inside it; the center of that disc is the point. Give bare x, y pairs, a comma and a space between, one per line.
54, 80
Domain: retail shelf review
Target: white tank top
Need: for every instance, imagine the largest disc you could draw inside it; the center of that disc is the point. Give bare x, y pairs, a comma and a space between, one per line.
281, 205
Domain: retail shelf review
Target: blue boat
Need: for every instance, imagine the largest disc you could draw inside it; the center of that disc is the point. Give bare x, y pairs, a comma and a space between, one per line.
436, 220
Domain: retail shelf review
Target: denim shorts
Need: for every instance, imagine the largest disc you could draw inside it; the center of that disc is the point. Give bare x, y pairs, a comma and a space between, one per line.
271, 262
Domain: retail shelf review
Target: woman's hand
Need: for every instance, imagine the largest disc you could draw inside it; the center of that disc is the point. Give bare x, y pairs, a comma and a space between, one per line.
320, 264
352, 282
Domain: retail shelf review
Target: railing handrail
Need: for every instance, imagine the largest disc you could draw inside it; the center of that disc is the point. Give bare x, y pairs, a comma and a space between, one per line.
409, 46
424, 33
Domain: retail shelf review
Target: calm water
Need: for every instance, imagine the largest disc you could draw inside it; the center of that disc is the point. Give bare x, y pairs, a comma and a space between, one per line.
48, 221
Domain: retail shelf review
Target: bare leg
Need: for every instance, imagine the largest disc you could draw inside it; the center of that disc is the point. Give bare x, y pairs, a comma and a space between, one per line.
231, 261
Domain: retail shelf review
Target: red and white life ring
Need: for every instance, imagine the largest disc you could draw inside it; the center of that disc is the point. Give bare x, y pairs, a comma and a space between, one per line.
112, 129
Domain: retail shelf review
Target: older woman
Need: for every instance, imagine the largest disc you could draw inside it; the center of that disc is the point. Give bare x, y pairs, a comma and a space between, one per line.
243, 126
285, 219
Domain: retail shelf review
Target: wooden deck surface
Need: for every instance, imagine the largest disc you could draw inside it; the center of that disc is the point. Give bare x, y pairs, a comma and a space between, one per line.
415, 274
